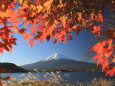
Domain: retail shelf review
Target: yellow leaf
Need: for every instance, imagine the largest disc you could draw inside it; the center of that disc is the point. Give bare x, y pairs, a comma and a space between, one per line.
56, 22
39, 8
15, 30
48, 3
63, 20
60, 1
20, 1
3, 14
25, 18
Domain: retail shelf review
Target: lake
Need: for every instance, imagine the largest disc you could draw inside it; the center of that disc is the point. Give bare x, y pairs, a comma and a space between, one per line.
69, 77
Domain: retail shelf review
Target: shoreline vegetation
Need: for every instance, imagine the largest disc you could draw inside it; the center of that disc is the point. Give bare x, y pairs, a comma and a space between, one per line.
94, 82
54, 80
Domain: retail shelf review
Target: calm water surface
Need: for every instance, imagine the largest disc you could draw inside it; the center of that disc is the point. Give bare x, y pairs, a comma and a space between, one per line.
70, 77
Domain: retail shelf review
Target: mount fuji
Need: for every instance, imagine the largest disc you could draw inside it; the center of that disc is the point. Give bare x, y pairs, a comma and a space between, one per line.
59, 62
55, 56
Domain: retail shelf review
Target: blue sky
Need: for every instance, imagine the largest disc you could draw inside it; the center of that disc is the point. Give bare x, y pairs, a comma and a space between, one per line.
76, 49
24, 54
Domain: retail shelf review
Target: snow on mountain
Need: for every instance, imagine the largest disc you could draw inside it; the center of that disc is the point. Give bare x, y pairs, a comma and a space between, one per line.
55, 56
59, 62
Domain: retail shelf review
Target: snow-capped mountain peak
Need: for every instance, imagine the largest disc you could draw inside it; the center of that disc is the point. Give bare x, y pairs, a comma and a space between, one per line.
55, 56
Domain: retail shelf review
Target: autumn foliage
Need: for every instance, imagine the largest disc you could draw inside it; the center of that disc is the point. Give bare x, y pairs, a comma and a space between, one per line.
57, 19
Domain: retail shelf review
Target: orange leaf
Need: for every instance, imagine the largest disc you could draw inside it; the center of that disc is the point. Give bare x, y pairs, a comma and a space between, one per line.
98, 56
98, 47
26, 35
111, 72
74, 27
100, 17
55, 41
15, 30
43, 36
32, 42
69, 37
33, 29
63, 38
105, 64
96, 30
100, 61
1, 50
113, 58
79, 16
108, 53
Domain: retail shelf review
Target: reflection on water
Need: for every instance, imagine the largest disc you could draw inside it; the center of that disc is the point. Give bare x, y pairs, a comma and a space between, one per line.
70, 77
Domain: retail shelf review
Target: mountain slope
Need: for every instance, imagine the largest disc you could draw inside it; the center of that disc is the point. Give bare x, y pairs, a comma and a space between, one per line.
60, 62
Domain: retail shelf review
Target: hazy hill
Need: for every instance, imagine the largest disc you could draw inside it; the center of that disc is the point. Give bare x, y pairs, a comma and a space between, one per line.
12, 68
